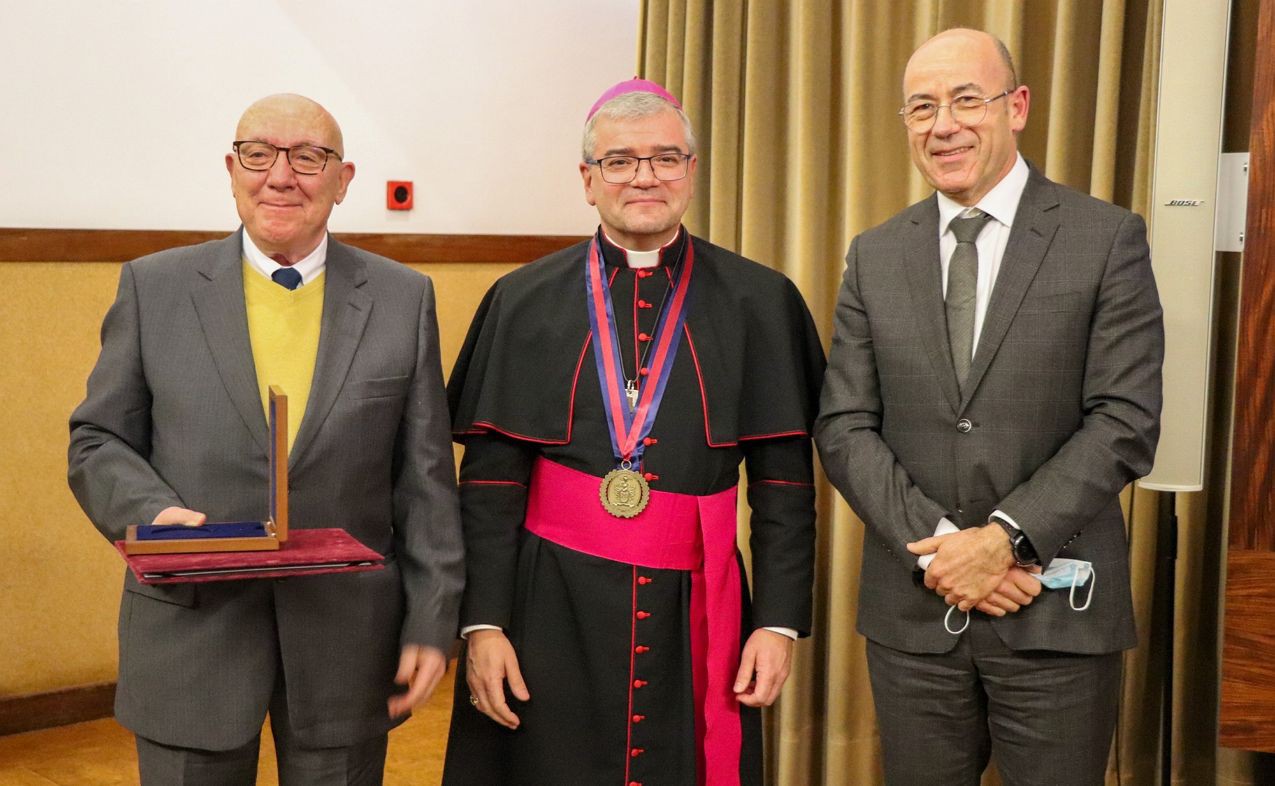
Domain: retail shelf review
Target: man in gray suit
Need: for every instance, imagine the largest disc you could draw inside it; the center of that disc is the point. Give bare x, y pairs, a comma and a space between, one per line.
993, 384
173, 430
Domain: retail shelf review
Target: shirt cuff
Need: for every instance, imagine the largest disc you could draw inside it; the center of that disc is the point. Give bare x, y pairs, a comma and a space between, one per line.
945, 527
1003, 516
789, 632
468, 629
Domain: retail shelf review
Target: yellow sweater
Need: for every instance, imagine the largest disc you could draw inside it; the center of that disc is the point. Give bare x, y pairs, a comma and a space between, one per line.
283, 326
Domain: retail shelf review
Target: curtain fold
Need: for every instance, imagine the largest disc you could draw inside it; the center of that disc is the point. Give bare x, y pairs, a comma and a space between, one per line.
800, 150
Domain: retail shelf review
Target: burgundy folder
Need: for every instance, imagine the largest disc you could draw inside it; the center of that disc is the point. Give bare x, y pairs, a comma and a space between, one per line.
275, 553
307, 552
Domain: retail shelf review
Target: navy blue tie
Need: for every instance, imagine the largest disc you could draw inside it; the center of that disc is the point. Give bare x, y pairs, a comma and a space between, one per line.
286, 277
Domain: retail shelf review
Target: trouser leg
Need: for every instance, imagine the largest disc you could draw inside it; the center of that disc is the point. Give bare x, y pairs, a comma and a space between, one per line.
168, 765
359, 764
1051, 715
932, 715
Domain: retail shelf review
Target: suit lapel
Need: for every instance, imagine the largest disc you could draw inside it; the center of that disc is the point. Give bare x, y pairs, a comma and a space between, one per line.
920, 251
219, 304
1029, 240
345, 311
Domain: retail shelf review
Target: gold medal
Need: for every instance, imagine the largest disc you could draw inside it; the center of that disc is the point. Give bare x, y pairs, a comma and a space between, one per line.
624, 493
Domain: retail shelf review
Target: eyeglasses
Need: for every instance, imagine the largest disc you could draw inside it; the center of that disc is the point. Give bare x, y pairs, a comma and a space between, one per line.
967, 110
304, 159
624, 169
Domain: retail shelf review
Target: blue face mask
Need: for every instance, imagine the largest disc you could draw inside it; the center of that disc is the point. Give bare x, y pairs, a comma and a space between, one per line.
1068, 574
1063, 573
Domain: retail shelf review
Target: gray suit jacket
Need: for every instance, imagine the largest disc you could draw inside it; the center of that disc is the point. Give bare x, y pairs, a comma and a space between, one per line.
1061, 411
173, 416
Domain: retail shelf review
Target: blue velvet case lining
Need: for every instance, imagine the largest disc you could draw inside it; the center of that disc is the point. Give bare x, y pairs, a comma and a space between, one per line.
231, 529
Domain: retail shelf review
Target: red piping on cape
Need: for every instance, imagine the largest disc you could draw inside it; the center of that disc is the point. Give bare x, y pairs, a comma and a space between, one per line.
776, 435
492, 483
485, 426
703, 397
781, 483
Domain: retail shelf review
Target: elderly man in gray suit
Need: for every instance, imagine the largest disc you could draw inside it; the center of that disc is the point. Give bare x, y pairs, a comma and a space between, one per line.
993, 384
173, 430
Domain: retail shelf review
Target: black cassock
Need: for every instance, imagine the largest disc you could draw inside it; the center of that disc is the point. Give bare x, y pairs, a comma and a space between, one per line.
611, 694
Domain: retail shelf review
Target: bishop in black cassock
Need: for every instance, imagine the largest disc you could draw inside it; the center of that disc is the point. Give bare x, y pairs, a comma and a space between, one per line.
602, 636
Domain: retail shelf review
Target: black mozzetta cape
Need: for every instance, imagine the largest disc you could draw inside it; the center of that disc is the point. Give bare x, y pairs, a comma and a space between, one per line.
528, 319
613, 694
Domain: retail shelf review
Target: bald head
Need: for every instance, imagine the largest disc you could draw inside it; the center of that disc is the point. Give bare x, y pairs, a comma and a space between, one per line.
965, 42
292, 111
285, 212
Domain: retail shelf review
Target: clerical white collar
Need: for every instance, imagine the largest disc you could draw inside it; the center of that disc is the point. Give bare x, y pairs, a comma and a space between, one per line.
643, 259
309, 267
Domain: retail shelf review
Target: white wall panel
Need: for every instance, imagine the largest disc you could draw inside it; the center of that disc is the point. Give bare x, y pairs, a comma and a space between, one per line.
480, 103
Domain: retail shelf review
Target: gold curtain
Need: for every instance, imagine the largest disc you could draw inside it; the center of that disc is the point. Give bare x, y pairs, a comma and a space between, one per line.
794, 106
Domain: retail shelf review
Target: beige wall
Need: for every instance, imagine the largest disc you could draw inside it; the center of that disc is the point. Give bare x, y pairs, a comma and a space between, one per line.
59, 590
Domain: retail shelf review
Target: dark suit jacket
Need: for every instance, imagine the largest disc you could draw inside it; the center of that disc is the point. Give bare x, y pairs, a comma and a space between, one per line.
173, 416
1061, 411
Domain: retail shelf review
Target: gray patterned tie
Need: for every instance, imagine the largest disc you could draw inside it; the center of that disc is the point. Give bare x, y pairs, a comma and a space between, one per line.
962, 280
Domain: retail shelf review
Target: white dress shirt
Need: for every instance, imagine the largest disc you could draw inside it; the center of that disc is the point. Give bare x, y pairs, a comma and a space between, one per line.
309, 267
1001, 203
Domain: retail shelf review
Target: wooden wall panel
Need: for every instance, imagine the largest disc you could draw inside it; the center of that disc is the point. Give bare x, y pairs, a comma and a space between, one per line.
121, 245
1247, 716
1253, 476
1248, 653
58, 616
56, 708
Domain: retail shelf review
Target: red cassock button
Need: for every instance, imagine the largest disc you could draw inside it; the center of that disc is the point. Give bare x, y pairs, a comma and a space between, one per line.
637, 752
639, 683
643, 615
643, 337
644, 371
648, 441
645, 580
650, 476
643, 304
641, 650
635, 783
639, 718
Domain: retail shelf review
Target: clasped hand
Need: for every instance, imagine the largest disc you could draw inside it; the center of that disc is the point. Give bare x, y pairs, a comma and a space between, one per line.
974, 569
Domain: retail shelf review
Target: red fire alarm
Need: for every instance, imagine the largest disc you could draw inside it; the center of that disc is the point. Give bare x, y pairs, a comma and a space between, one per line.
398, 194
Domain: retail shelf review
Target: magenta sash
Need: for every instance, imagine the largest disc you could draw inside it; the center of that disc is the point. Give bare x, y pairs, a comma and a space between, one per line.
674, 532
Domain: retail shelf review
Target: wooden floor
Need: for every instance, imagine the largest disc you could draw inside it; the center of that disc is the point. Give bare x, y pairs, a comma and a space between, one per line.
101, 753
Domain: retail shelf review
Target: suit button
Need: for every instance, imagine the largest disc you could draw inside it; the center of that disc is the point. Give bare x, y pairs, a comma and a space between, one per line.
964, 426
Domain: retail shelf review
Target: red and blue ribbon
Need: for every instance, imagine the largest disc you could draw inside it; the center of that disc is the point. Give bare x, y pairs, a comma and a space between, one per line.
628, 429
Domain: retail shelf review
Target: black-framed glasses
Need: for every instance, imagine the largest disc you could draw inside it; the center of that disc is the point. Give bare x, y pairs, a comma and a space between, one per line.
968, 110
259, 156
623, 169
